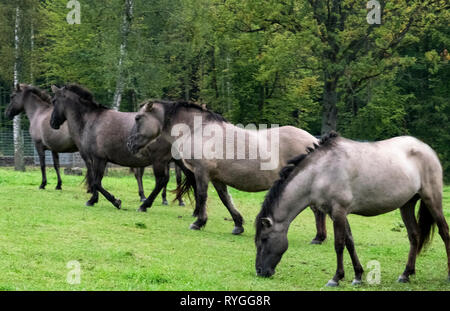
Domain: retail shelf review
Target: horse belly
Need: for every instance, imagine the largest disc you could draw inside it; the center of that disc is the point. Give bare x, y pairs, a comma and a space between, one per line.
244, 175
381, 202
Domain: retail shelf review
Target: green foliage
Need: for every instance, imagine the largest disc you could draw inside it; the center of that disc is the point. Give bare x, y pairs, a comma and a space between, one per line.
275, 62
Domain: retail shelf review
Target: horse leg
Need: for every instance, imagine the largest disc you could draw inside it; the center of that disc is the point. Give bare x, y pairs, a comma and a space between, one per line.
164, 190
41, 152
339, 224
201, 196
98, 171
55, 156
409, 218
162, 179
91, 181
349, 244
138, 173
434, 205
178, 178
321, 228
226, 199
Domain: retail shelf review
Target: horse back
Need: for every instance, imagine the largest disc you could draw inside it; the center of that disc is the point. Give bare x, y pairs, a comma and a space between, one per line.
377, 177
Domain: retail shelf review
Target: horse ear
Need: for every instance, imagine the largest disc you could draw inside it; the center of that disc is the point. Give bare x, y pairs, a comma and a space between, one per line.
148, 107
267, 222
55, 89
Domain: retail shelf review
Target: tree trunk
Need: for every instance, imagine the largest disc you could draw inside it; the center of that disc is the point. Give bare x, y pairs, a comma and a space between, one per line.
19, 163
329, 112
31, 54
126, 26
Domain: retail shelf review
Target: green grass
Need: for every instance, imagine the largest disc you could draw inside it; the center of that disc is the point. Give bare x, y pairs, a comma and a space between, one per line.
42, 230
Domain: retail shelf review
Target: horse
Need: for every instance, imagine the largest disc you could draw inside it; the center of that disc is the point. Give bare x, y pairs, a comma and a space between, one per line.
233, 166
37, 106
100, 135
341, 177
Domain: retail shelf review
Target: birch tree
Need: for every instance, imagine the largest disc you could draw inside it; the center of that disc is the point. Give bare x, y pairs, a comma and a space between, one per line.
125, 30
19, 163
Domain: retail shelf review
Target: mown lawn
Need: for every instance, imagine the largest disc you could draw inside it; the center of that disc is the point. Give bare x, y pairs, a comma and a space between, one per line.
42, 230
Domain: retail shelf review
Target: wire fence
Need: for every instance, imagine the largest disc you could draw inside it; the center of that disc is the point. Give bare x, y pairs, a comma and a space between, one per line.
30, 153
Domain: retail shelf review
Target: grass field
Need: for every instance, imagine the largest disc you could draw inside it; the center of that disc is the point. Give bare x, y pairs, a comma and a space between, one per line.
42, 230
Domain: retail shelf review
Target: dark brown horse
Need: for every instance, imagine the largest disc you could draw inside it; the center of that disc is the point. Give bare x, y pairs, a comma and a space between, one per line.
100, 135
36, 104
342, 177
228, 155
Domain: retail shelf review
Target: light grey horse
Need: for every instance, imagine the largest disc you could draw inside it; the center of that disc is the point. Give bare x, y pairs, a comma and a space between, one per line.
37, 106
227, 166
344, 177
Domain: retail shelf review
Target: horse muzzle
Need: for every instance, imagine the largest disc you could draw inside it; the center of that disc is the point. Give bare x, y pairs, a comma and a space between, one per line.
54, 125
132, 145
10, 114
265, 273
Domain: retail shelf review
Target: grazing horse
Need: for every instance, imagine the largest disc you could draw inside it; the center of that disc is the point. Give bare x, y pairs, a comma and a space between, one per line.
342, 177
100, 135
229, 162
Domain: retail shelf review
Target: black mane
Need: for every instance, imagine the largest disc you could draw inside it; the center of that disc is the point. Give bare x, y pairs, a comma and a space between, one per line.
277, 188
39, 93
172, 107
85, 95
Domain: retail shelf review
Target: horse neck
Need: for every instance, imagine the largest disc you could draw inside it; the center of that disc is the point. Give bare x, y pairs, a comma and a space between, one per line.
294, 199
75, 118
176, 120
33, 106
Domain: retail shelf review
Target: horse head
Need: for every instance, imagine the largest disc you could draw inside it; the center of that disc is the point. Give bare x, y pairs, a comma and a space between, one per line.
58, 117
16, 104
148, 126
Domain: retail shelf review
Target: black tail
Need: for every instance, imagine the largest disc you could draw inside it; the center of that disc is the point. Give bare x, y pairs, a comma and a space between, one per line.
187, 185
87, 181
426, 226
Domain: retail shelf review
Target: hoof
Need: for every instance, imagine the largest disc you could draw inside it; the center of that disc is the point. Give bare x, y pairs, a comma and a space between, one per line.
356, 282
118, 204
181, 204
332, 283
142, 209
194, 227
403, 279
164, 202
316, 242
41, 187
89, 203
237, 230
58, 188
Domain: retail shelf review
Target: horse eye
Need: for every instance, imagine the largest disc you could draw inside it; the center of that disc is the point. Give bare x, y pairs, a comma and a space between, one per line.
138, 117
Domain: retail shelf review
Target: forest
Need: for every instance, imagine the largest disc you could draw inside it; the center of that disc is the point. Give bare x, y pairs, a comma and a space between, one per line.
315, 64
